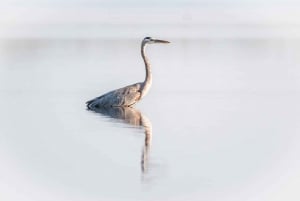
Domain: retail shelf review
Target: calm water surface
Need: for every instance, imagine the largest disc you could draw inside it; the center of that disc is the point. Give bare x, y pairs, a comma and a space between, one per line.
221, 121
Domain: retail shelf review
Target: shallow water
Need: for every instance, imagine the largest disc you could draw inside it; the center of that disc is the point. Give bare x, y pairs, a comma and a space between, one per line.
221, 121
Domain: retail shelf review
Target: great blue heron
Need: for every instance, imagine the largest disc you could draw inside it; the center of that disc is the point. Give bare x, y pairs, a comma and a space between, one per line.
129, 95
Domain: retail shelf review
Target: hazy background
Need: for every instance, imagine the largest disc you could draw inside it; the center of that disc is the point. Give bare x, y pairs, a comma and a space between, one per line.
135, 19
224, 105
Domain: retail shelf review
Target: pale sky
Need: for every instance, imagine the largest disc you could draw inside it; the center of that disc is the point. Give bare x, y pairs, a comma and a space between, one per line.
178, 18
145, 3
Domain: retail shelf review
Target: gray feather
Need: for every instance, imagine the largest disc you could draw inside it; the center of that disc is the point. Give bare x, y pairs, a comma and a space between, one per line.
125, 96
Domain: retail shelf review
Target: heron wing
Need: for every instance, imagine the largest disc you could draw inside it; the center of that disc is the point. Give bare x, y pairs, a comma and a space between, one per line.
125, 96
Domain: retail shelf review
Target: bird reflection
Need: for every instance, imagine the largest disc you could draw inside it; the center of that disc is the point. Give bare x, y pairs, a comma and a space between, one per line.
133, 117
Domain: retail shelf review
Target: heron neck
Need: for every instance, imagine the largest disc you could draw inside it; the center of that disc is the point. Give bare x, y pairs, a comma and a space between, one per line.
148, 79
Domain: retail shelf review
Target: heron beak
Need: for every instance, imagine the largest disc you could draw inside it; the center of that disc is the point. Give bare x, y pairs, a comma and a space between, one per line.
160, 41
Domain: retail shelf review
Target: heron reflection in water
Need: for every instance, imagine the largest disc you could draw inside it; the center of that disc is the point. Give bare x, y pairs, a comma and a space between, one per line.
132, 116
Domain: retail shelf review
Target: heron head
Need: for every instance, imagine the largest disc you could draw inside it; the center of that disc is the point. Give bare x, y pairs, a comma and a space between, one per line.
149, 40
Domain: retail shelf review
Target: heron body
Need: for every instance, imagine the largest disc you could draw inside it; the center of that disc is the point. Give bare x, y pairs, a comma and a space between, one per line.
129, 95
